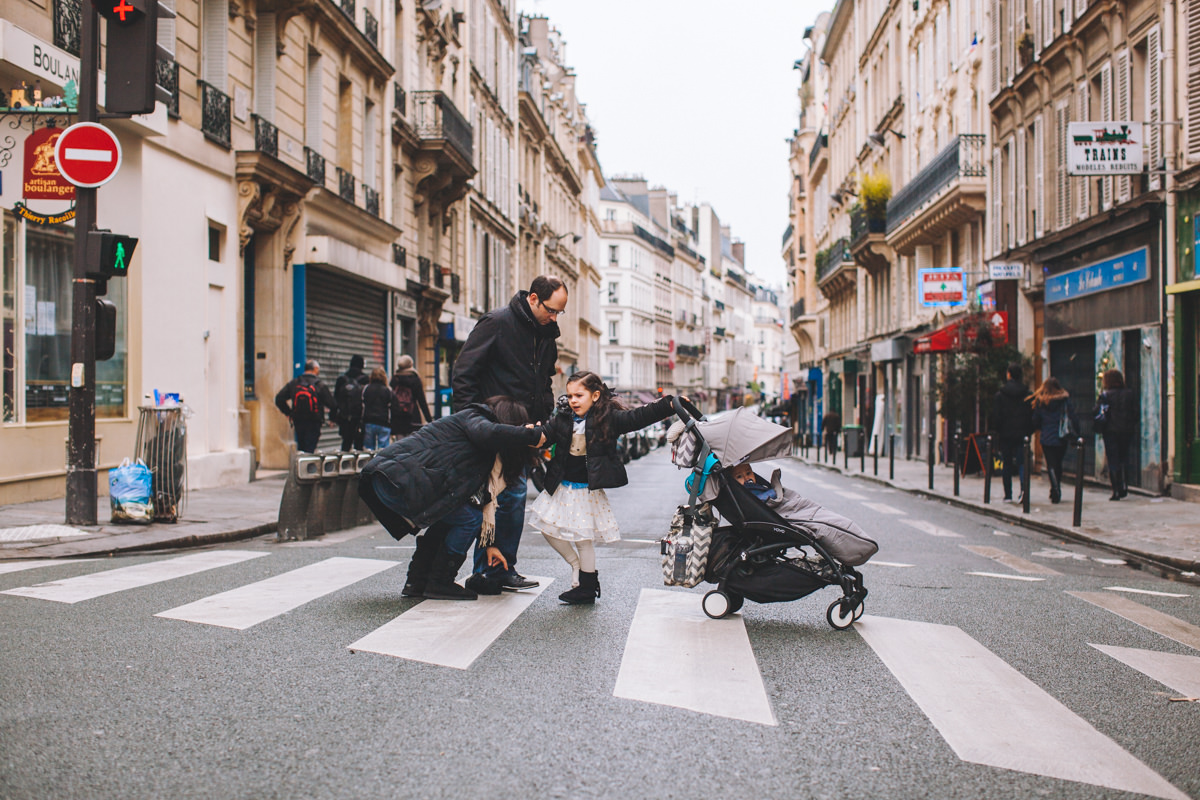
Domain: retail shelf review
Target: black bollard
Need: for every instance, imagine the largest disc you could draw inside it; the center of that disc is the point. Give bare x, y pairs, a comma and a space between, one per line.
1028, 456
876, 458
892, 457
957, 460
862, 454
931, 462
1078, 520
987, 470
845, 453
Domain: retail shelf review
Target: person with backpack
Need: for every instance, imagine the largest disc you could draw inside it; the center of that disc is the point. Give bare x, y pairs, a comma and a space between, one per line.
380, 409
410, 397
1057, 426
348, 394
1012, 421
303, 400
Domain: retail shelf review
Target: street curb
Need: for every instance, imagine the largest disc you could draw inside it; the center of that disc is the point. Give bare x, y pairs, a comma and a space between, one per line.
1171, 568
179, 543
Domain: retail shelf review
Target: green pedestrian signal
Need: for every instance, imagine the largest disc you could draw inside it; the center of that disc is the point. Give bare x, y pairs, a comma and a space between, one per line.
109, 254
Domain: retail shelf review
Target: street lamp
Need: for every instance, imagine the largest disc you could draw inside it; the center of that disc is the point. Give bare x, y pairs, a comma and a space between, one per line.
878, 140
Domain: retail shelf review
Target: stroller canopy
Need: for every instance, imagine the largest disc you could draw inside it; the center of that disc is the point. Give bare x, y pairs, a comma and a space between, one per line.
744, 436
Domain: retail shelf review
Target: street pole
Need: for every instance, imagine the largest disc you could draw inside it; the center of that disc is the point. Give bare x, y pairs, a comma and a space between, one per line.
987, 470
931, 462
892, 457
957, 460
81, 431
1078, 518
1026, 479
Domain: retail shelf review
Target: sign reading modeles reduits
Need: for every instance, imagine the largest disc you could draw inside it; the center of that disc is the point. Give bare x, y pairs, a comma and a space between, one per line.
1104, 148
941, 287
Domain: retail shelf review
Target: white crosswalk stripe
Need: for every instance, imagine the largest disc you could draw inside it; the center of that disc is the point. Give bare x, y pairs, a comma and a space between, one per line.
20, 566
1009, 560
849, 495
98, 584
257, 602
1181, 673
884, 508
1006, 576
1162, 624
928, 527
676, 656
450, 633
991, 714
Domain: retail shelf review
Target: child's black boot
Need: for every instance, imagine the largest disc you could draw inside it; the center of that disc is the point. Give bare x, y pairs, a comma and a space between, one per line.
585, 593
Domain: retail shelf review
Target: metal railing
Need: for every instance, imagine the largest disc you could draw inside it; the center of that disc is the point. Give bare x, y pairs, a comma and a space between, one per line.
798, 309
652, 240
371, 27
736, 277
348, 9
266, 137
401, 99
439, 276
215, 121
314, 164
962, 158
436, 117
455, 287
862, 226
346, 185
423, 269
68, 25
399, 255
787, 234
829, 259
370, 200
820, 144
167, 76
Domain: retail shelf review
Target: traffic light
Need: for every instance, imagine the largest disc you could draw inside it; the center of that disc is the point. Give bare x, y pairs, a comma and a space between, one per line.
106, 329
108, 256
131, 60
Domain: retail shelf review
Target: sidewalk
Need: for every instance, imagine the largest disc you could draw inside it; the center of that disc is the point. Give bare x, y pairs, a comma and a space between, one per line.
210, 516
1157, 532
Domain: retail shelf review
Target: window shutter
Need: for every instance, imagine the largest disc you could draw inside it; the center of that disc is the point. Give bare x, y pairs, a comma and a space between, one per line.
994, 44
1009, 53
1106, 115
1193, 80
1067, 16
1047, 22
264, 66
1080, 7
1062, 201
1082, 185
1010, 191
997, 202
1038, 33
166, 30
1039, 189
1121, 98
1022, 23
1154, 99
313, 100
215, 44
1021, 198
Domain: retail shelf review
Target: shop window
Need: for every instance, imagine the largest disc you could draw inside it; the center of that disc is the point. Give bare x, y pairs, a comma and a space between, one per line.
49, 256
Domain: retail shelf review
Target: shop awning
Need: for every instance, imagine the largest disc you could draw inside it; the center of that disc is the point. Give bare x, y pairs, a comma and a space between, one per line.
962, 334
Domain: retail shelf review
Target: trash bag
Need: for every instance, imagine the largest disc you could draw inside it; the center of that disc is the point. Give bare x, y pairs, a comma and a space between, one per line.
131, 492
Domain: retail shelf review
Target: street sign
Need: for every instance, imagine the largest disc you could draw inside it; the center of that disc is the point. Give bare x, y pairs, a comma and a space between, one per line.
941, 287
1005, 272
88, 154
42, 180
1111, 273
1104, 148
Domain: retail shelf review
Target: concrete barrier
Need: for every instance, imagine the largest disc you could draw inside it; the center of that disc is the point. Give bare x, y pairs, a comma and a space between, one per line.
304, 472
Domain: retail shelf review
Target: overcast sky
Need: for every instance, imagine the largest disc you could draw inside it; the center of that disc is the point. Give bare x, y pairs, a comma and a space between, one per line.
695, 95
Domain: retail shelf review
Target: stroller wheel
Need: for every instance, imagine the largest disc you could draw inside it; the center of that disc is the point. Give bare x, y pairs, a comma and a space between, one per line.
838, 619
735, 603
858, 610
717, 604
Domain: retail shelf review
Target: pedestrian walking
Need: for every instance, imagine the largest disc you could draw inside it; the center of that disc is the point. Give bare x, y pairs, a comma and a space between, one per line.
347, 393
410, 394
1012, 421
512, 351
573, 512
380, 407
430, 476
1115, 418
304, 400
1057, 425
831, 426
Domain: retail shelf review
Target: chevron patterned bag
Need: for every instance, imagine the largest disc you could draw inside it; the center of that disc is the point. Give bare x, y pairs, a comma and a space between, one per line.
685, 548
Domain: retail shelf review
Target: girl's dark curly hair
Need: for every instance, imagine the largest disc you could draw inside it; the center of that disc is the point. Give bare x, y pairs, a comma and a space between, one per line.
509, 411
605, 404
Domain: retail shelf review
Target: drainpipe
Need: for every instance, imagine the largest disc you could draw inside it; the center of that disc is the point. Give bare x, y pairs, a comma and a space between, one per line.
1170, 136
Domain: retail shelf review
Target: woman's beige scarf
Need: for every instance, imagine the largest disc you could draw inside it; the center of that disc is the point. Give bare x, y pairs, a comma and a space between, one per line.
496, 485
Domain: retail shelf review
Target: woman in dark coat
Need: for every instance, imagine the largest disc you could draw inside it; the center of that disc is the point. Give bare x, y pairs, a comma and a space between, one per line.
422, 478
379, 410
1120, 422
1051, 403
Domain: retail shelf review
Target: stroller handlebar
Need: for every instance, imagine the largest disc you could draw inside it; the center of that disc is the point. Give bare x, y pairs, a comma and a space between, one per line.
685, 410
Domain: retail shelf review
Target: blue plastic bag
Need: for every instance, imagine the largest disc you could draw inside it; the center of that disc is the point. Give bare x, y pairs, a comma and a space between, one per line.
131, 492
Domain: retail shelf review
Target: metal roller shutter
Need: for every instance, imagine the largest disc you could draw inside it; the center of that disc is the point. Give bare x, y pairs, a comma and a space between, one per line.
344, 318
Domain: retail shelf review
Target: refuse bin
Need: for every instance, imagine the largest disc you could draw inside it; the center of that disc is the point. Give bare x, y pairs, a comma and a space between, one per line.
853, 436
162, 446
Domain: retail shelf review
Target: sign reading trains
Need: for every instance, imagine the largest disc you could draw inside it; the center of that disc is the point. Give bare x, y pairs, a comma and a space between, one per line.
1104, 148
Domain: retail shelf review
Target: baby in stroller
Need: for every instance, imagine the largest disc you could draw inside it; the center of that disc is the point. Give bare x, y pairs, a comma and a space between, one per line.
844, 539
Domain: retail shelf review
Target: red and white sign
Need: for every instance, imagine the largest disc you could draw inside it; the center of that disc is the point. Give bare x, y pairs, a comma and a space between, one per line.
940, 287
88, 154
42, 180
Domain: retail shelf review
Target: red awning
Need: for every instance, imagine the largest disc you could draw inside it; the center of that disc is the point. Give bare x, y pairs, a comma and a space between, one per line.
962, 334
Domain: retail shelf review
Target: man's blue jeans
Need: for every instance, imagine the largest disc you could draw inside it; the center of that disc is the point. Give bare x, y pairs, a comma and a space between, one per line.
510, 521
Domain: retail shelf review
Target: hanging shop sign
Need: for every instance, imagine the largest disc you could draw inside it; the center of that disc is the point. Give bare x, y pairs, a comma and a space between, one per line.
1006, 272
941, 287
1104, 148
42, 180
1111, 273
43, 219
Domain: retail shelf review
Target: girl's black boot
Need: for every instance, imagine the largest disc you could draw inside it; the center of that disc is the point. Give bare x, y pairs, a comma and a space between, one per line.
585, 593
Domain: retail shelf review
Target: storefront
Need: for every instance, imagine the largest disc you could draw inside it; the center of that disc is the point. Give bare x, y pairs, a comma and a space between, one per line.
1185, 293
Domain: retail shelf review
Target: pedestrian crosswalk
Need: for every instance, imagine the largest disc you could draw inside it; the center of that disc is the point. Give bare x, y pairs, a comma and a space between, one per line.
986, 710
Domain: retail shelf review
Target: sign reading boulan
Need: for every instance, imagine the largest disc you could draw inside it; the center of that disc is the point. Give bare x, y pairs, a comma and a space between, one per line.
1104, 148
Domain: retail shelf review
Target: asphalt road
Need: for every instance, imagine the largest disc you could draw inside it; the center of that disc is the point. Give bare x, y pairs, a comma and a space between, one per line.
100, 698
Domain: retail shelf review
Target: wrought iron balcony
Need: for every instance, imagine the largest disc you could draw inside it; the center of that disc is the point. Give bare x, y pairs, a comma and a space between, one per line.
439, 276
401, 100
436, 118
787, 234
215, 120
820, 144
718, 331
370, 200
68, 25
423, 269
830, 259
798, 309
962, 158
455, 287
266, 137
399, 255
348, 9
315, 166
371, 27
168, 78
346, 185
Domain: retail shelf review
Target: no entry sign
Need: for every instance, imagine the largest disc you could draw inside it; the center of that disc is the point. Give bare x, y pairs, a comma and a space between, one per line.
88, 154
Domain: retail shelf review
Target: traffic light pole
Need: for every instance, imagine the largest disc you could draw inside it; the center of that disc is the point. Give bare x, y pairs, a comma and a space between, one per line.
81, 434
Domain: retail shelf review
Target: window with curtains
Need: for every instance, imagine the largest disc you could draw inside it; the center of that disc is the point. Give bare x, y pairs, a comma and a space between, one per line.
47, 295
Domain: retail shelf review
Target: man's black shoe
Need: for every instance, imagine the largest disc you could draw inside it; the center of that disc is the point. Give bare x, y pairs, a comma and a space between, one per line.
478, 584
514, 582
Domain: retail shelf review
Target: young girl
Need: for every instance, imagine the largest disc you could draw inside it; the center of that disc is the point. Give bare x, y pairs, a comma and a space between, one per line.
573, 512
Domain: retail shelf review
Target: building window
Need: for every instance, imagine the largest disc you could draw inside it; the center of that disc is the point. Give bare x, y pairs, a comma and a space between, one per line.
614, 292
613, 331
312, 103
214, 243
214, 43
612, 255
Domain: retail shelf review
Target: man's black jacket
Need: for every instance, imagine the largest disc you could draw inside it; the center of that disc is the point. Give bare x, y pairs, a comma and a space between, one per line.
1012, 413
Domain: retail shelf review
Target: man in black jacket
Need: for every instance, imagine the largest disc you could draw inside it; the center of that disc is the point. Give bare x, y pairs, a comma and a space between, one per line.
512, 351
303, 400
1012, 421
347, 393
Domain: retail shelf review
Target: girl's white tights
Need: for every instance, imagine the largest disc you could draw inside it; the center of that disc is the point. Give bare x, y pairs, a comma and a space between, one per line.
585, 559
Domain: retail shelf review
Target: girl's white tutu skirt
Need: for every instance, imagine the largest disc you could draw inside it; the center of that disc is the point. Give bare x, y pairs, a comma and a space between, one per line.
575, 514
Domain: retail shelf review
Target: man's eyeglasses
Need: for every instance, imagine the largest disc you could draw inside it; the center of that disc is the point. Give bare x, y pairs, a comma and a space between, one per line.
554, 312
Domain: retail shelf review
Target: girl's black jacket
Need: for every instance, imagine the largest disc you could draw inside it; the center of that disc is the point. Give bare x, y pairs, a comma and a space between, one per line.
438, 468
604, 467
